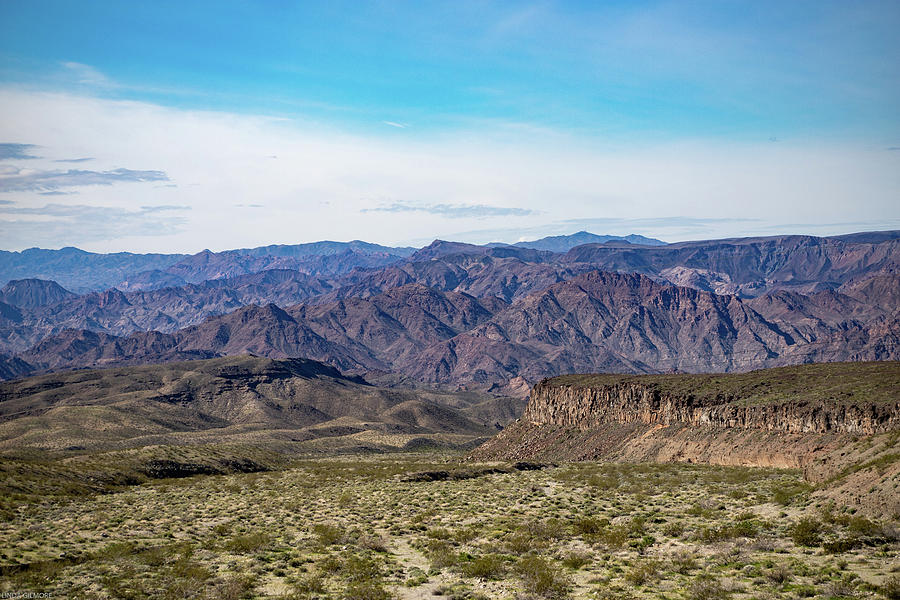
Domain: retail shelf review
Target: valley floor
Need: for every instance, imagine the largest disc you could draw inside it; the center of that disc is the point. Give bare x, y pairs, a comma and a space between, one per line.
427, 526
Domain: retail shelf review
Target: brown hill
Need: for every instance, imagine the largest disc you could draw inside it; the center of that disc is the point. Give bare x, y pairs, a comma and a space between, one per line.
225, 400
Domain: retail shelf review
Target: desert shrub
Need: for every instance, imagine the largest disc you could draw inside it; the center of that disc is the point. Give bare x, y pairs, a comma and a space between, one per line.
779, 574
890, 589
786, 495
373, 542
440, 554
863, 526
637, 525
589, 526
465, 534
642, 544
329, 534
674, 529
740, 528
549, 529
234, 588
576, 559
439, 533
683, 562
841, 588
642, 572
613, 537
309, 586
249, 542
367, 590
488, 566
541, 578
416, 577
361, 569
705, 587
331, 564
805, 532
841, 545
521, 542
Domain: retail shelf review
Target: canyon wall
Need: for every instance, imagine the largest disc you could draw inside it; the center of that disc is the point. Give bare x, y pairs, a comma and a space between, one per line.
838, 423
588, 407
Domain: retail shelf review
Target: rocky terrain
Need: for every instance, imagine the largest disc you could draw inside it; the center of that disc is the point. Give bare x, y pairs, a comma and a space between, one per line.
839, 422
487, 317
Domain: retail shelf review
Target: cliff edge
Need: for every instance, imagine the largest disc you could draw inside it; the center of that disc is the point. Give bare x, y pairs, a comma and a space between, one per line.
839, 422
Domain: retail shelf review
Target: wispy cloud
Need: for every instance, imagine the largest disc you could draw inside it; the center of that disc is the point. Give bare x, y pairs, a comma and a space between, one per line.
395, 124
10, 151
48, 181
87, 75
53, 224
454, 211
164, 207
73, 160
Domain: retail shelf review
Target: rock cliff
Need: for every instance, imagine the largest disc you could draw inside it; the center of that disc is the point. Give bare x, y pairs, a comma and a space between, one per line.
838, 422
588, 407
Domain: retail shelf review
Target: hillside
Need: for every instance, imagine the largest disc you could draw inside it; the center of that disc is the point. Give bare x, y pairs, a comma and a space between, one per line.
837, 422
229, 400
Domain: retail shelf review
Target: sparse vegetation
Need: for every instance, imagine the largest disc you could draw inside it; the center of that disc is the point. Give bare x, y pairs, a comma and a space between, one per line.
364, 526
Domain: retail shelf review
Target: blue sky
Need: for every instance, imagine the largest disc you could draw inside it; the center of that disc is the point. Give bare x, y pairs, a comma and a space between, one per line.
529, 118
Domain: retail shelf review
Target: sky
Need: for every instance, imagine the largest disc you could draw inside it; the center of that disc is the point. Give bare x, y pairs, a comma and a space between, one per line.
175, 127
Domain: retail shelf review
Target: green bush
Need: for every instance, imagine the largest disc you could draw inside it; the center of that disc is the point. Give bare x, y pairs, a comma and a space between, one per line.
890, 589
488, 566
706, 588
805, 532
329, 534
642, 572
541, 578
249, 542
369, 590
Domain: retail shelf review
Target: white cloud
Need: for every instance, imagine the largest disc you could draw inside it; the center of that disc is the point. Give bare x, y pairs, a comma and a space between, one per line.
319, 186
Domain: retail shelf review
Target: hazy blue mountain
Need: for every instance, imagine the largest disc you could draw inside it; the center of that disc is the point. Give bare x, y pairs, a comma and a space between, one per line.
323, 248
77, 270
564, 243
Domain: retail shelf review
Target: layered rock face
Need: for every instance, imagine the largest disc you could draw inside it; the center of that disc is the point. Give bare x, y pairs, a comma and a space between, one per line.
839, 422
589, 407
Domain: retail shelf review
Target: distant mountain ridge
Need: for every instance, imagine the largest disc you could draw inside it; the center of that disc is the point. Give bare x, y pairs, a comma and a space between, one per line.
564, 243
597, 321
483, 316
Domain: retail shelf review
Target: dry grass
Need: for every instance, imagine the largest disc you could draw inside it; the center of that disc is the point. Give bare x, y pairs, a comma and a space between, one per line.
361, 527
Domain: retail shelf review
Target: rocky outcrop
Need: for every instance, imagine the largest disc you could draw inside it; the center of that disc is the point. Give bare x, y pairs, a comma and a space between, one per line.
585, 408
839, 423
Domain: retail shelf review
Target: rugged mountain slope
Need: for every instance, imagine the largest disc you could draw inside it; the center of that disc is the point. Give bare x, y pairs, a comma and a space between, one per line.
78, 270
207, 265
596, 321
746, 267
754, 266
33, 293
629, 323
223, 399
809, 417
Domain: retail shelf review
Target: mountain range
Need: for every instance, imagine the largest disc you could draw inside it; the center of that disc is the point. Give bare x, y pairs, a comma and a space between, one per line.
491, 317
